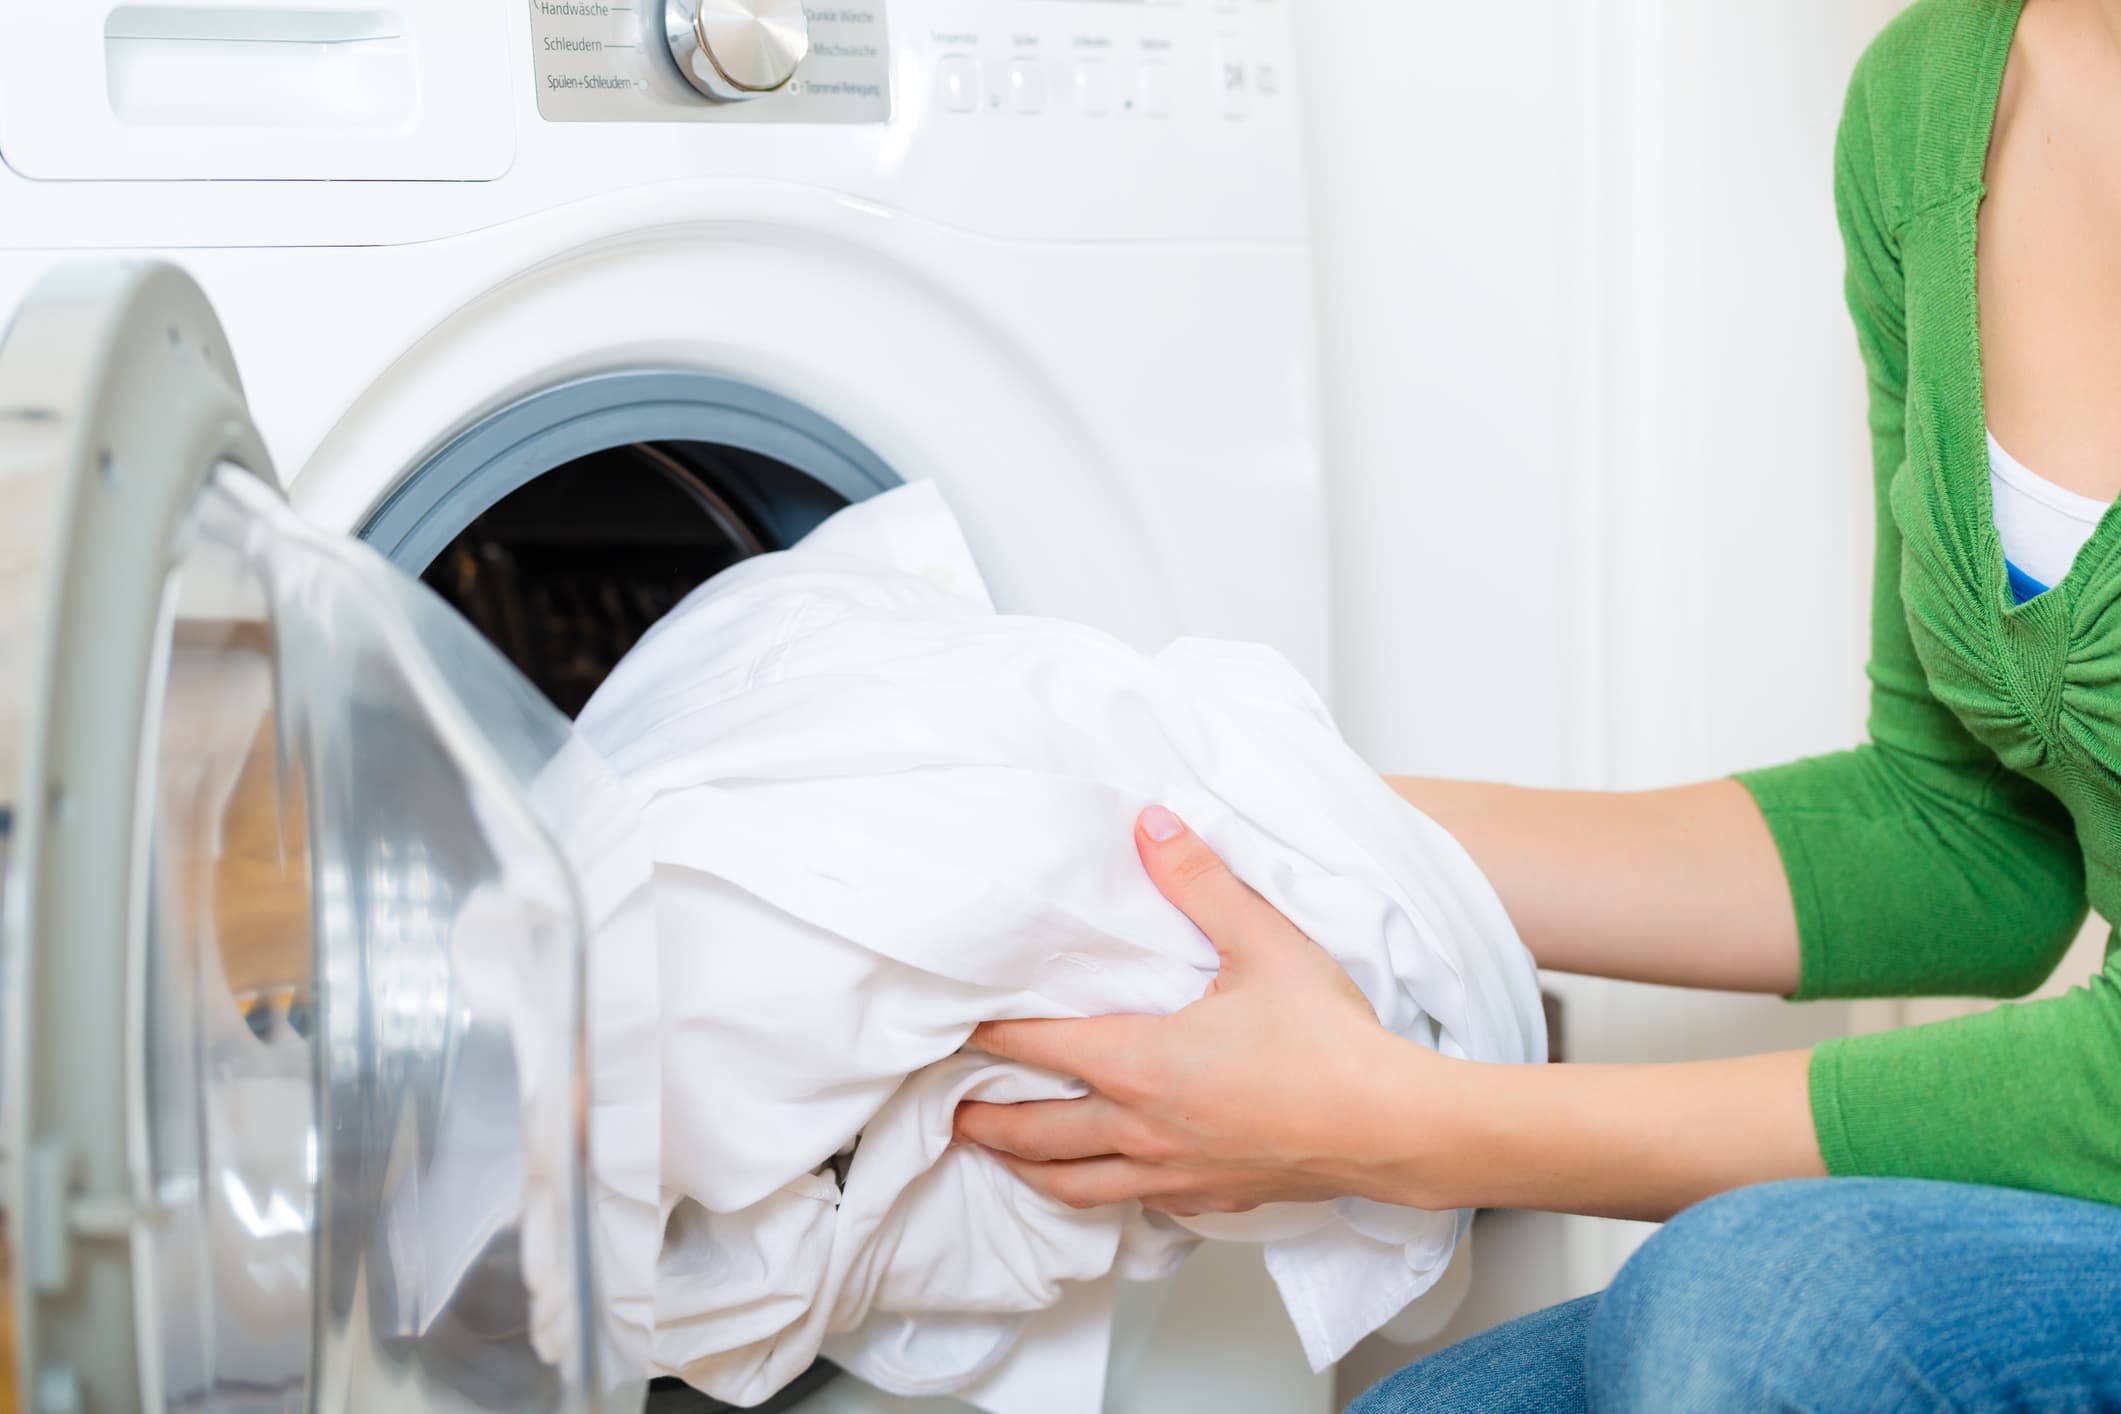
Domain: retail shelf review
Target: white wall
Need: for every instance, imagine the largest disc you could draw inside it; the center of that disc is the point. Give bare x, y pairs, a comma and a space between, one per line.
1441, 228
1593, 414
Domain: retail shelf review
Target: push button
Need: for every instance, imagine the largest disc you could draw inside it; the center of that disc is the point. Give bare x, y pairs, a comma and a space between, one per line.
1233, 82
1154, 89
957, 84
1027, 86
1093, 88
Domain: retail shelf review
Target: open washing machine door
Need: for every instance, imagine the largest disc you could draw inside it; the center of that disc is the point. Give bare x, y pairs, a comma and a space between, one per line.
299, 884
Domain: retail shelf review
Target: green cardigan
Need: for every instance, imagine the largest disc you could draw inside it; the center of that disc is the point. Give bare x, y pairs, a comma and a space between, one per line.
1953, 854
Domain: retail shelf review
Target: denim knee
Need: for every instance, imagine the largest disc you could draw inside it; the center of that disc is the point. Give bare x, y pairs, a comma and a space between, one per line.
1532, 1365
1774, 1296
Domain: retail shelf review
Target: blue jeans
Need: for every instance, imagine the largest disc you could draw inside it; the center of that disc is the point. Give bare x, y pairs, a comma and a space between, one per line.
1828, 1294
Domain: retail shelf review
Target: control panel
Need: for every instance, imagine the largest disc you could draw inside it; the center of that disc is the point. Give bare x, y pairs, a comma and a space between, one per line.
1041, 120
714, 61
1099, 59
808, 61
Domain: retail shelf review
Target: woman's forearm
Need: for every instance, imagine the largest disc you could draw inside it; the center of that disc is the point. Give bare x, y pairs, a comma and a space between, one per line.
1625, 1141
1679, 886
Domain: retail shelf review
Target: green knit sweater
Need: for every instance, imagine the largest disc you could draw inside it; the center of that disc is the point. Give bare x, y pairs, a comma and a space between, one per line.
1953, 853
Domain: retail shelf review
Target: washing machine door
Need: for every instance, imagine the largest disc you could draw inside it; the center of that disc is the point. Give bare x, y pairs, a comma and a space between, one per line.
295, 1108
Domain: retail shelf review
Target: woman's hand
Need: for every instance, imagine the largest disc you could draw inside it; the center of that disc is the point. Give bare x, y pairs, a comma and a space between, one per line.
1280, 1084
1262, 1091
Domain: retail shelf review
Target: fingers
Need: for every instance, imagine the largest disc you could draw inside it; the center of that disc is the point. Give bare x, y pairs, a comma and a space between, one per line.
1088, 1049
1090, 1183
1173, 1205
1094, 1182
1044, 1130
1197, 1204
1191, 875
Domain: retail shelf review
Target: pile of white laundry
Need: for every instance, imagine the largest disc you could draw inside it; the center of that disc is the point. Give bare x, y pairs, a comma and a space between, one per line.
881, 813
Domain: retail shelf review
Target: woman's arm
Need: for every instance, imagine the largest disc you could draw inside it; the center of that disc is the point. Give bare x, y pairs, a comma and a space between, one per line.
1280, 1084
1622, 1141
1680, 886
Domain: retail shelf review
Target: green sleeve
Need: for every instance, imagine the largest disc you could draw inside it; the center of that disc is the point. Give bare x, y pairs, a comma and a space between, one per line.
1918, 864
2026, 1095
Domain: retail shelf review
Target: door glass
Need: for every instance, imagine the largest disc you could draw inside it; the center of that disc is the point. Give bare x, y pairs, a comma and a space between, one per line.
363, 1088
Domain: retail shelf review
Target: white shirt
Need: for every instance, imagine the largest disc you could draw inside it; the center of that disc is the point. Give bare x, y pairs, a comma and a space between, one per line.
2042, 525
882, 813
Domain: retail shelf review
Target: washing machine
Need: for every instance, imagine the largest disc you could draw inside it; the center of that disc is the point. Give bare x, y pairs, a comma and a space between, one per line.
557, 307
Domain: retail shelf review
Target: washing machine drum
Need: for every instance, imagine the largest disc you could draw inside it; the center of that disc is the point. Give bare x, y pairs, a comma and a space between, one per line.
299, 882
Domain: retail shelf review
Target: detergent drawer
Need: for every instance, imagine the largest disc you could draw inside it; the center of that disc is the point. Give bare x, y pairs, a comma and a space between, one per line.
266, 90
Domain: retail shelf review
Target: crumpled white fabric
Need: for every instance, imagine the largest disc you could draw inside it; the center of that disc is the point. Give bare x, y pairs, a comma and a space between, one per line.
882, 813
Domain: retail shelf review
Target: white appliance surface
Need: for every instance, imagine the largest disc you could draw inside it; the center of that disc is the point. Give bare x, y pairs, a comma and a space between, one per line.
1066, 278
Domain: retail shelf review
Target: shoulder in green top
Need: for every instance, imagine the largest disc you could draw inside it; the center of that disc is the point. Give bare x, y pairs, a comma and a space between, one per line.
1953, 853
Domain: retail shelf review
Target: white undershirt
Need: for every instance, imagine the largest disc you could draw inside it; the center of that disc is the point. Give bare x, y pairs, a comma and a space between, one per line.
2042, 525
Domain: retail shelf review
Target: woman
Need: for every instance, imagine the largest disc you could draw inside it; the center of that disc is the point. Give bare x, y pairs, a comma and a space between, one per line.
1966, 1253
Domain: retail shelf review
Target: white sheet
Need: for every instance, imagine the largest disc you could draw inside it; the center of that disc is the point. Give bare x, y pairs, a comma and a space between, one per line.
883, 813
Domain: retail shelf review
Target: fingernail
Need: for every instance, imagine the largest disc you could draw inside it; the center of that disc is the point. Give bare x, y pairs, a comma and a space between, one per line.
1161, 825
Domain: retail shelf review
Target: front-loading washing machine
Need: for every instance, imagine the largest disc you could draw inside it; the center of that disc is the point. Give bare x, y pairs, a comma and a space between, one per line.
560, 306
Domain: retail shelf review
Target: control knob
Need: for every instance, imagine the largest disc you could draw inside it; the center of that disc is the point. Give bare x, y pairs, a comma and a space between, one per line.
737, 49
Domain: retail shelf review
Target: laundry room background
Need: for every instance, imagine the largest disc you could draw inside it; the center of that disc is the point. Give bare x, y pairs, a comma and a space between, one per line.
1565, 250
1431, 352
